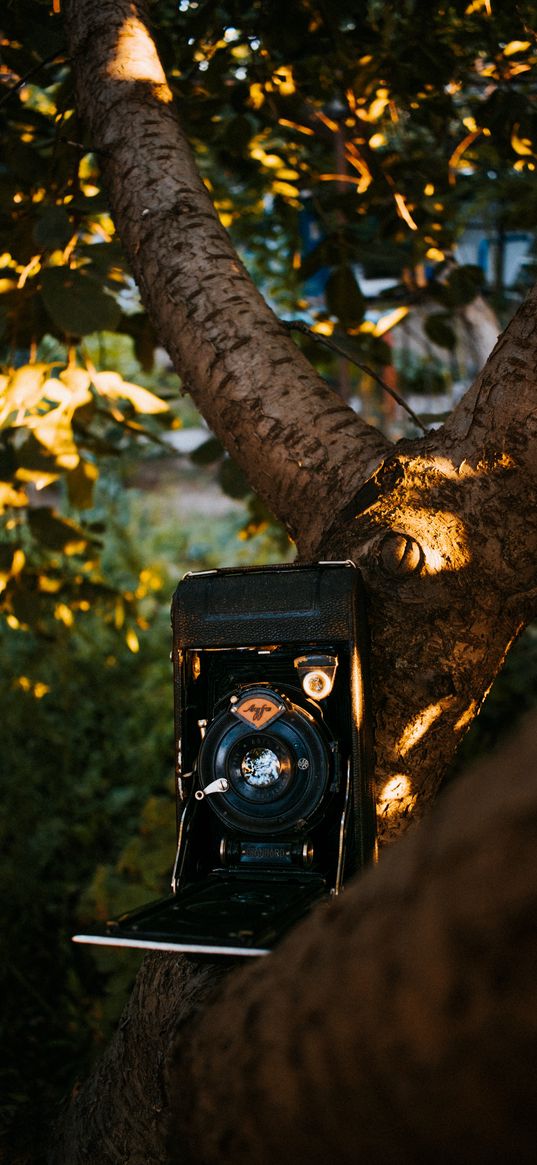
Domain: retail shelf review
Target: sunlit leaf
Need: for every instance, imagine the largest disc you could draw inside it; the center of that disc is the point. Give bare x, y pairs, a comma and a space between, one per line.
78, 381
35, 478
10, 496
132, 641
521, 145
54, 431
111, 384
22, 390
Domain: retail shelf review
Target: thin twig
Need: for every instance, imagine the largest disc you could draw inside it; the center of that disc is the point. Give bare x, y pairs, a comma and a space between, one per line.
299, 326
31, 73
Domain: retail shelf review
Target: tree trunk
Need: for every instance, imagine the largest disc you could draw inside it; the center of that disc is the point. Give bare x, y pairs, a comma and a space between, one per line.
444, 530
397, 1024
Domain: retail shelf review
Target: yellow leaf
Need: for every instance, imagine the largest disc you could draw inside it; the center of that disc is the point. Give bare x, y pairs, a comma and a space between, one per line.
50, 586
10, 496
379, 104
23, 390
36, 478
516, 46
131, 639
272, 161
54, 432
285, 189
64, 614
521, 145
19, 560
55, 391
306, 129
112, 385
389, 320
324, 327
434, 254
476, 5
283, 79
257, 95
78, 380
286, 174
403, 211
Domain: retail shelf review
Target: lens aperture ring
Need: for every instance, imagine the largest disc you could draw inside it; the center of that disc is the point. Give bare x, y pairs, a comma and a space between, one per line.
277, 776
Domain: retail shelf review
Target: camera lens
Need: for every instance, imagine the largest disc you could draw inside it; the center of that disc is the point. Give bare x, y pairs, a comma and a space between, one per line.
260, 767
277, 771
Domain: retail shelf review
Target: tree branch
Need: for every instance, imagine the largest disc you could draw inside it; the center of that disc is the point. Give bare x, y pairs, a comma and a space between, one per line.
499, 412
396, 1024
299, 326
298, 441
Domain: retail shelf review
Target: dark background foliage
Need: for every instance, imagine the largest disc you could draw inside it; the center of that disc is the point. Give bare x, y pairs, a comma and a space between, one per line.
348, 149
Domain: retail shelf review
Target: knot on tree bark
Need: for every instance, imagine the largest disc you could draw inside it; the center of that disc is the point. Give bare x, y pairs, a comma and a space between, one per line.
399, 554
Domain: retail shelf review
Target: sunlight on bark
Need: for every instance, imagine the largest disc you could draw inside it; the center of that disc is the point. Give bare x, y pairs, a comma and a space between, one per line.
466, 717
357, 690
136, 59
498, 463
396, 797
441, 536
418, 727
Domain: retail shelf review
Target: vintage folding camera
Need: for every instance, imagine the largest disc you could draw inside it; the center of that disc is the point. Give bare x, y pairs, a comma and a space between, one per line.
273, 757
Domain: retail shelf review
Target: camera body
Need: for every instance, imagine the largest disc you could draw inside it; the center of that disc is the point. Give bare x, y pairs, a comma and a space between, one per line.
273, 756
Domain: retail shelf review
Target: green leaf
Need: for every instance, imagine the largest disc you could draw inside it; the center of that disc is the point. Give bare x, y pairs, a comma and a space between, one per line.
232, 480
25, 604
462, 286
54, 532
81, 483
76, 303
344, 298
53, 228
34, 458
207, 453
439, 331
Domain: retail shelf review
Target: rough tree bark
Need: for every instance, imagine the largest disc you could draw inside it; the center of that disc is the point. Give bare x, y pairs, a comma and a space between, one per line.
444, 529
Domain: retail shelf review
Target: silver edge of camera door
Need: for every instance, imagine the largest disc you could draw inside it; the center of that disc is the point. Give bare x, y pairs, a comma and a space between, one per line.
149, 945
176, 872
342, 833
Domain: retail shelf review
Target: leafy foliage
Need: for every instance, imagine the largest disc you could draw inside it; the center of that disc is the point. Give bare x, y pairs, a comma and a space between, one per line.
341, 142
358, 139
82, 755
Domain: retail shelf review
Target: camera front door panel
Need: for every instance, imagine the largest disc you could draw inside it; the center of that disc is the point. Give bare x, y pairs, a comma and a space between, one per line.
266, 741
273, 757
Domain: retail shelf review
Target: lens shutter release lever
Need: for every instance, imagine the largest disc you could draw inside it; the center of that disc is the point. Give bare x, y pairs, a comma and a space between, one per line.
218, 786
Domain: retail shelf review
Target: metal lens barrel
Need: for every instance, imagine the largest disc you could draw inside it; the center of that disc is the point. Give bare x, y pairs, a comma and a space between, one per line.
277, 774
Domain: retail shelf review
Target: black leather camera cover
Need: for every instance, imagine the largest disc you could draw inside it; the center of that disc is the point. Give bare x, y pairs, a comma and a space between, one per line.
239, 629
